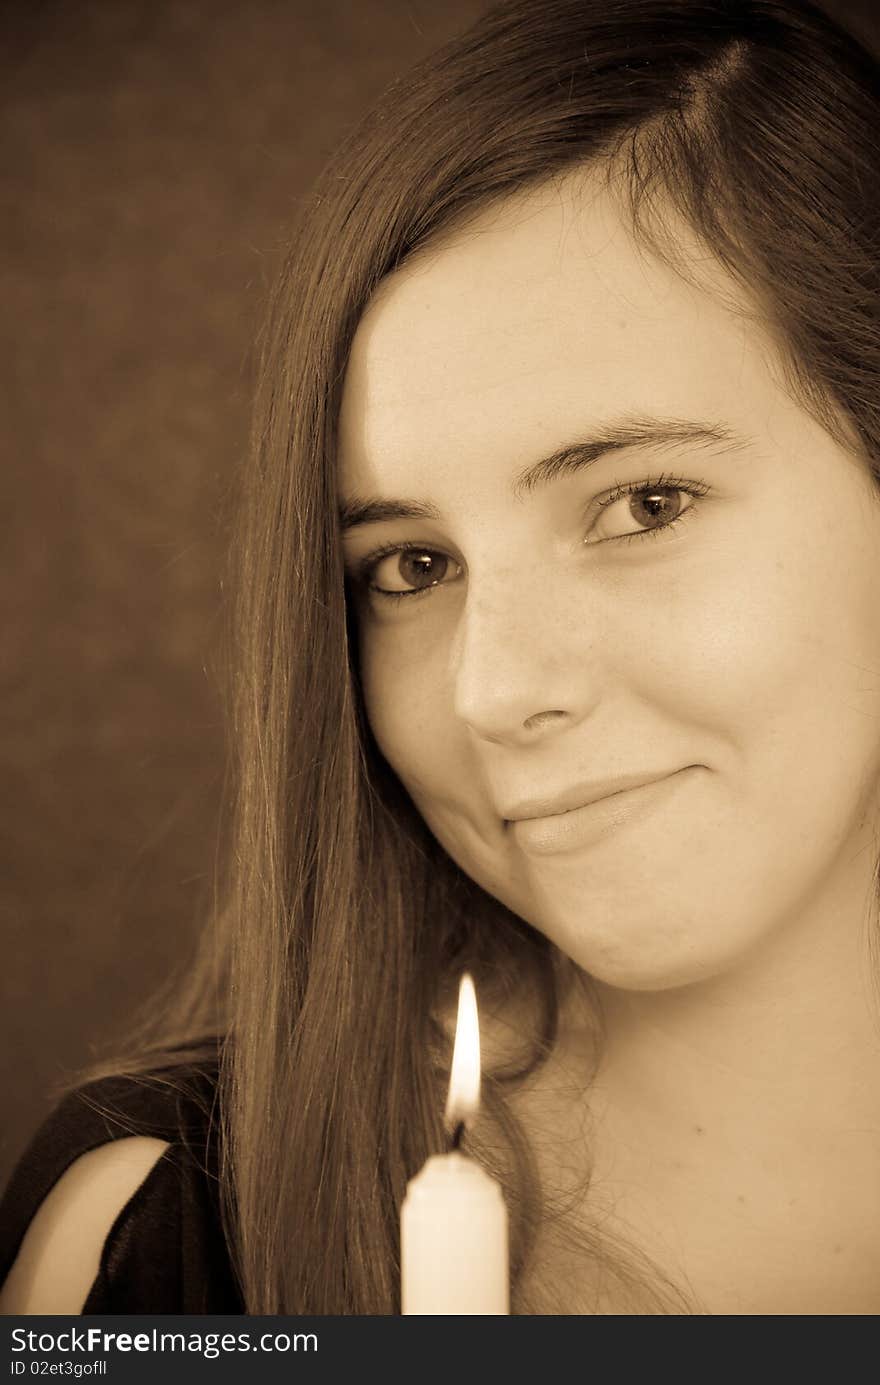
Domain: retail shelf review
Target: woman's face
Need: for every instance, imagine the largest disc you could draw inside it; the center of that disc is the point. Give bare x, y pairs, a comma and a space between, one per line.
687, 592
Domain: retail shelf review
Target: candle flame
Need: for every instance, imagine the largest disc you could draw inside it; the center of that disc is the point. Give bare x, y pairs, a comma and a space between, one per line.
463, 1101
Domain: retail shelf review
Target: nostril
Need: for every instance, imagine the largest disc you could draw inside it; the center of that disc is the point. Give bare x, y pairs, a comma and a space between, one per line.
538, 719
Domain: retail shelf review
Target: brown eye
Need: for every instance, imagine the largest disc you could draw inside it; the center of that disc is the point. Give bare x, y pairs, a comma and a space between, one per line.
413, 568
653, 506
659, 505
650, 508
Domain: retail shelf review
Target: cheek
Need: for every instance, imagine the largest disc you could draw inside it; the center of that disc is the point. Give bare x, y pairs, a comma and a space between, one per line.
777, 658
407, 705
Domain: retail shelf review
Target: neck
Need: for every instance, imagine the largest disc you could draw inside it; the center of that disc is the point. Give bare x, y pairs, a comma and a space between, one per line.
787, 1043
736, 1122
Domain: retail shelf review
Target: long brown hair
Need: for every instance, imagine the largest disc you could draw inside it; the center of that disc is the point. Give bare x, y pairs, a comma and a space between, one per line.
342, 925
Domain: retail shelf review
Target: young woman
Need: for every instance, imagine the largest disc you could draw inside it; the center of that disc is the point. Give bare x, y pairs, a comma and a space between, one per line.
557, 660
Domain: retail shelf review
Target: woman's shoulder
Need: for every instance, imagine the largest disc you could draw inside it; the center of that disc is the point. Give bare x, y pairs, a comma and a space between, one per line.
123, 1176
59, 1256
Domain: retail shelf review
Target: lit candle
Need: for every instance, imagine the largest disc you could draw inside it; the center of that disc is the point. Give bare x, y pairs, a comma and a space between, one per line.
453, 1227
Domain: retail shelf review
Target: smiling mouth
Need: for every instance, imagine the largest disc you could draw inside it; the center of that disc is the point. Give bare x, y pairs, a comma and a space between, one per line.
581, 796
568, 829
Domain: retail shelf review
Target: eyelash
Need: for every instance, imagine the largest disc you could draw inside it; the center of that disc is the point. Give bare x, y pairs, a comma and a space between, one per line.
696, 489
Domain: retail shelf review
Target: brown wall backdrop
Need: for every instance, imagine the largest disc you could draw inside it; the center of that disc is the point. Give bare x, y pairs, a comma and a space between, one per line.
153, 153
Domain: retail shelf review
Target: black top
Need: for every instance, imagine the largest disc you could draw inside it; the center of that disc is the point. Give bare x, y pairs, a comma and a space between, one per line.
166, 1251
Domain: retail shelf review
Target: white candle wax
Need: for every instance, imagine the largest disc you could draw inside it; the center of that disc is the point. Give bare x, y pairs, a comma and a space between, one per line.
453, 1227
454, 1240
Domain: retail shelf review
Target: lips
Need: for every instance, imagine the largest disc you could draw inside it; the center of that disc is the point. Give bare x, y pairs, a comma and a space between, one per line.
580, 795
590, 824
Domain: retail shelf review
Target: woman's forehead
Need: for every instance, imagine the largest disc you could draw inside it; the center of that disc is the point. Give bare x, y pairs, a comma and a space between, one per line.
546, 312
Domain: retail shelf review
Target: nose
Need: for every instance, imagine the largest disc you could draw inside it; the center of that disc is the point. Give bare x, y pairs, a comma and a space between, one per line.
525, 659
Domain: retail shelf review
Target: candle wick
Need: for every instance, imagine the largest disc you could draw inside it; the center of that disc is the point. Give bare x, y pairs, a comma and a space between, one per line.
457, 1135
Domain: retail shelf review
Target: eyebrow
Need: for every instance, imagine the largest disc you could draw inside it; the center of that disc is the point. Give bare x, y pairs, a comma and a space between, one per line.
574, 457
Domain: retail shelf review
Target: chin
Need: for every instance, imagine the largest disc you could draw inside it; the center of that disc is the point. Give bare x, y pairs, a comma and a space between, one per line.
641, 964
644, 980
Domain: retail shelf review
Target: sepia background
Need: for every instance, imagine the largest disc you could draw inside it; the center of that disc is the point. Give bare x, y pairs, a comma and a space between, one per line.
153, 155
